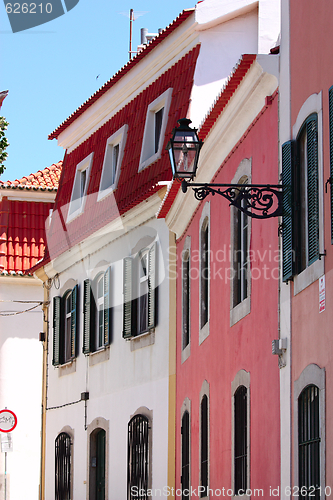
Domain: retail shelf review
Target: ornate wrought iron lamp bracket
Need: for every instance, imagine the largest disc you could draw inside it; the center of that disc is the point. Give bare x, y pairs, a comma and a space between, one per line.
261, 201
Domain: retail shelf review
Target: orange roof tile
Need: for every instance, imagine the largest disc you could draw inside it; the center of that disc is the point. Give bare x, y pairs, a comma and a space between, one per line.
43, 179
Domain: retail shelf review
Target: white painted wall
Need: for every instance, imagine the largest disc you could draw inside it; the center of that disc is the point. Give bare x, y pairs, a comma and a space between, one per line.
21, 385
117, 386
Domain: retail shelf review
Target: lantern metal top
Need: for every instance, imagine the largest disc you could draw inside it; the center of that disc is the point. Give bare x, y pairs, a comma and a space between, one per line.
184, 147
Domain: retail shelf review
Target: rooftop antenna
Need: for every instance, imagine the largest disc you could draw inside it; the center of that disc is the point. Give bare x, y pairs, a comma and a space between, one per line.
132, 17
130, 41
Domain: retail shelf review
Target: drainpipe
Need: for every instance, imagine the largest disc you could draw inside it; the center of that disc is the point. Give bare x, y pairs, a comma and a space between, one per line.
40, 273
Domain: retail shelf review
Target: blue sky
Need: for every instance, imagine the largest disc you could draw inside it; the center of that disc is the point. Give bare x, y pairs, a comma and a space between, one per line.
51, 70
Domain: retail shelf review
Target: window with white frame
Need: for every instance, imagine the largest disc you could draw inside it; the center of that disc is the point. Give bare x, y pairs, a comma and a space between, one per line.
114, 152
154, 132
139, 292
204, 281
65, 314
309, 432
80, 187
240, 233
97, 312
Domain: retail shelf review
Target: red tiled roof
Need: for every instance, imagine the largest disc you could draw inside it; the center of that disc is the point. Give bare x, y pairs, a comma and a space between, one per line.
133, 186
22, 223
220, 103
47, 179
125, 69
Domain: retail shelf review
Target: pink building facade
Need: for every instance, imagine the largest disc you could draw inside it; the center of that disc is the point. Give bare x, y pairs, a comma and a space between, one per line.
306, 138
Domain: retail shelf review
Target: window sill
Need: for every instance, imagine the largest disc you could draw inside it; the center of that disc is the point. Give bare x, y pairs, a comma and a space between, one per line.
103, 354
186, 353
240, 311
67, 368
309, 275
204, 332
143, 340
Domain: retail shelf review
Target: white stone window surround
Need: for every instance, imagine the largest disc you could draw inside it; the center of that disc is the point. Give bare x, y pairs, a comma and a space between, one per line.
312, 273
241, 378
97, 424
148, 155
204, 222
204, 392
186, 251
78, 199
238, 312
311, 375
107, 184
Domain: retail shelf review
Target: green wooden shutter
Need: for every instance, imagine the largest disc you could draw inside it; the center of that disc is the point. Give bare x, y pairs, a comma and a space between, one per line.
330, 98
151, 286
128, 297
74, 322
107, 315
56, 330
288, 251
312, 191
87, 326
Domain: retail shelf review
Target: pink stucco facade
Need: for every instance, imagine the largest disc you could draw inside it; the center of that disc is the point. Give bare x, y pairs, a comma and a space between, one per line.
247, 345
311, 73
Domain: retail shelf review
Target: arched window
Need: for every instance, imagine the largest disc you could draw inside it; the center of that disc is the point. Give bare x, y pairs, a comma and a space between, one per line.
240, 440
186, 299
204, 293
185, 430
138, 457
241, 250
97, 464
63, 467
309, 441
204, 446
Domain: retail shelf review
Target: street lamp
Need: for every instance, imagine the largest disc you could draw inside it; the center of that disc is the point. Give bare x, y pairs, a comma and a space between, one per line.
256, 200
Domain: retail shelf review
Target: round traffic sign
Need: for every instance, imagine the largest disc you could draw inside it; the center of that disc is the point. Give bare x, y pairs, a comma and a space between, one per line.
8, 420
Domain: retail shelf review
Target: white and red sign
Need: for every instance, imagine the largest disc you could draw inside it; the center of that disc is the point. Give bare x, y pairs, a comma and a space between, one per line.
8, 420
322, 301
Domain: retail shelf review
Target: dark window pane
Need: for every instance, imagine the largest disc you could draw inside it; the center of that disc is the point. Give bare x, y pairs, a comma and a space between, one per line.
138, 457
240, 439
63, 467
204, 445
185, 479
309, 442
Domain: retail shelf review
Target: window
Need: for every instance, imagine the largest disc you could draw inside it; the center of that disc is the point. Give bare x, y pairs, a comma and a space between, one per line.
138, 457
330, 100
241, 228
63, 467
309, 432
241, 433
114, 153
185, 479
154, 132
97, 313
204, 273
204, 439
98, 445
309, 441
64, 327
186, 301
240, 440
140, 293
303, 201
240, 231
80, 188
